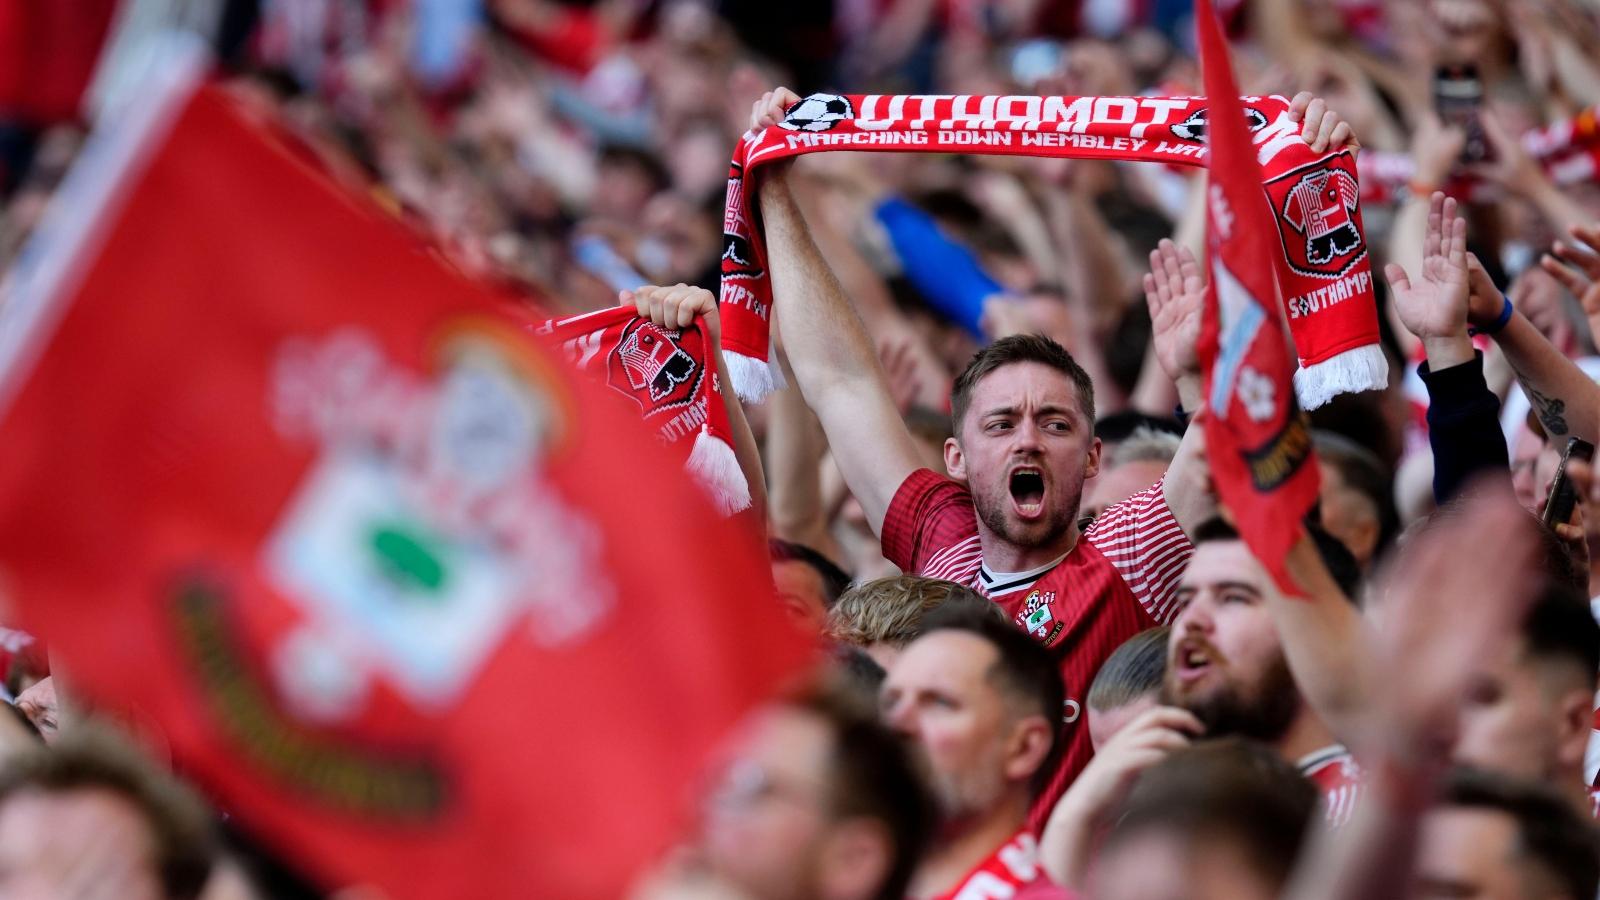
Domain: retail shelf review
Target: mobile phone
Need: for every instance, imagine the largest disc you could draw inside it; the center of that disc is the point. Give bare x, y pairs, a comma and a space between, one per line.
1563, 496
1457, 97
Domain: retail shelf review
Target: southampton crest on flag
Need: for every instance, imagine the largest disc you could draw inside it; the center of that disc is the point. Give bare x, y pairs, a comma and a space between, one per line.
392, 544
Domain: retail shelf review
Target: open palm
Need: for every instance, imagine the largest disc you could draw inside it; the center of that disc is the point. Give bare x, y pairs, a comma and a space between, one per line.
1175, 293
1583, 276
1435, 304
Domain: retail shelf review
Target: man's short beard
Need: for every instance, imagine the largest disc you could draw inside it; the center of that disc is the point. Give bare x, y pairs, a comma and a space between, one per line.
992, 513
959, 799
1225, 712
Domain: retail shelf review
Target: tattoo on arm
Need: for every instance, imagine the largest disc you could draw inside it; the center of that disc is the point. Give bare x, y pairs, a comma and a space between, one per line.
1551, 411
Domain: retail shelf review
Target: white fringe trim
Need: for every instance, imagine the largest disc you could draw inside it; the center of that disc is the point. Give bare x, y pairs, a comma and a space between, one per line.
714, 465
1359, 369
753, 379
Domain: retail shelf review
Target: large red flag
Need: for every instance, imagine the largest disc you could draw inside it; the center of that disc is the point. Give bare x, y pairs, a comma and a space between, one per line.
408, 597
1257, 438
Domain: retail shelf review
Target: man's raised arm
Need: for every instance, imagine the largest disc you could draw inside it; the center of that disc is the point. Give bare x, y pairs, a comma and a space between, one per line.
832, 356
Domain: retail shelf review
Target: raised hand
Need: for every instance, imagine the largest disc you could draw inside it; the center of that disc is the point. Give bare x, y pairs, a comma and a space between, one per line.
1322, 128
1435, 305
900, 368
770, 110
1175, 293
1484, 300
1435, 148
772, 107
677, 306
1583, 276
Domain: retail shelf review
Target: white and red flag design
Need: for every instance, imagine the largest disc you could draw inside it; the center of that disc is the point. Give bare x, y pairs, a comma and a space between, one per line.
409, 597
1258, 441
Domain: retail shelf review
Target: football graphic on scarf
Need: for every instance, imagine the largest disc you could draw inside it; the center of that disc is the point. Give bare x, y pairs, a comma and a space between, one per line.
818, 112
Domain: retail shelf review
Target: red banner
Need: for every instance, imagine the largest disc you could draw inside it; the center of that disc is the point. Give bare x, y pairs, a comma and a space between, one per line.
407, 596
1257, 439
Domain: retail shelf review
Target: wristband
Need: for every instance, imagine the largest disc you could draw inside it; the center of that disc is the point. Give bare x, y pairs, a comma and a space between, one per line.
1421, 189
1498, 324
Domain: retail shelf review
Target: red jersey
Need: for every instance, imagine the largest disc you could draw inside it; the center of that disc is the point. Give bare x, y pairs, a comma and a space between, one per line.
1011, 872
1337, 777
1117, 581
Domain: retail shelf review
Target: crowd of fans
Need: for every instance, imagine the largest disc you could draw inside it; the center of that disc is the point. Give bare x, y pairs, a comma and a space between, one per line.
1055, 669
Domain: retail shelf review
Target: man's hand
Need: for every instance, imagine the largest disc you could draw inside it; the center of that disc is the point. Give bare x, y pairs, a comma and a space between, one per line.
1484, 300
1434, 307
1573, 532
677, 306
1435, 149
1323, 128
772, 107
900, 369
1175, 293
1583, 278
1068, 838
770, 110
1151, 737
1512, 167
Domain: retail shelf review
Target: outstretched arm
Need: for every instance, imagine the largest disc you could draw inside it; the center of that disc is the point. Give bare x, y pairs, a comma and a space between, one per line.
1463, 415
1176, 293
1444, 612
834, 360
1565, 399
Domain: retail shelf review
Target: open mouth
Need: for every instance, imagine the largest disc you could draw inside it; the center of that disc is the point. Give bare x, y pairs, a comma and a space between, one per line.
1027, 492
1193, 662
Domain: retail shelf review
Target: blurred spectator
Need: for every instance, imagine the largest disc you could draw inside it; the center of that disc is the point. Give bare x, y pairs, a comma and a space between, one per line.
808, 583
1496, 835
1128, 684
884, 615
1131, 466
980, 701
89, 813
1221, 819
821, 801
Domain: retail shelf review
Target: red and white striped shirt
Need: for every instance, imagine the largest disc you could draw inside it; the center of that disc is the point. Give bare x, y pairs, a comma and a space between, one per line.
1011, 872
1116, 582
1335, 773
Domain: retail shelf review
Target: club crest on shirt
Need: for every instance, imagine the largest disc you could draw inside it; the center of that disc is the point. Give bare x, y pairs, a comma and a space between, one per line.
1036, 618
1317, 208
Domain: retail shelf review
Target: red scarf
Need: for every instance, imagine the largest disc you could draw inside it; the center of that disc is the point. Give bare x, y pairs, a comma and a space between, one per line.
1257, 439
666, 372
1321, 255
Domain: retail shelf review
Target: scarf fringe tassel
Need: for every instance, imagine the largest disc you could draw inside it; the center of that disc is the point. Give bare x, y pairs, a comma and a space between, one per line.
753, 379
1359, 369
713, 464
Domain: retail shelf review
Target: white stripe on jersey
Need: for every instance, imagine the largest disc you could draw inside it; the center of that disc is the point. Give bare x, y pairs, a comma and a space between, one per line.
1142, 539
943, 556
